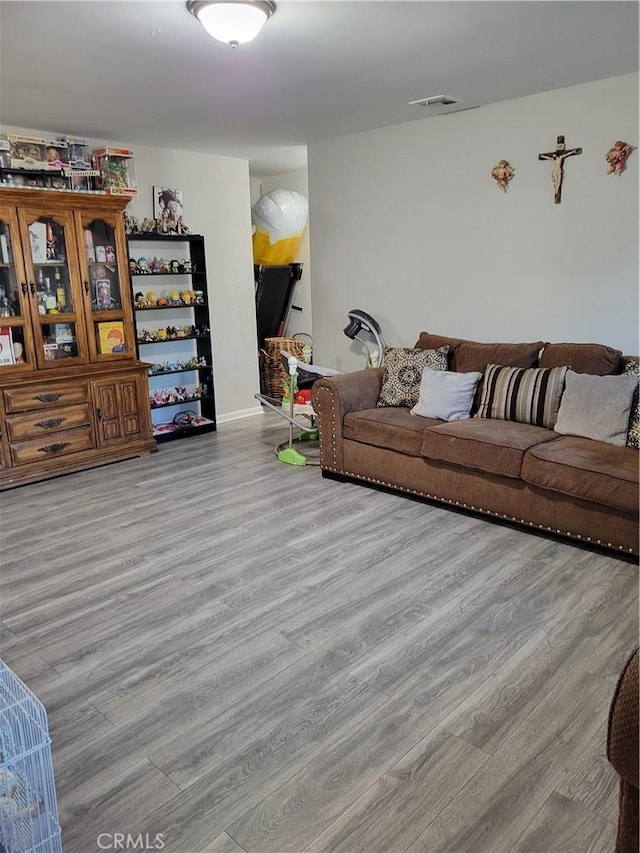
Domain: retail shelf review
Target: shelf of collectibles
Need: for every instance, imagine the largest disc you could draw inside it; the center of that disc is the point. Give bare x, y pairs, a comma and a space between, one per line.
171, 311
55, 164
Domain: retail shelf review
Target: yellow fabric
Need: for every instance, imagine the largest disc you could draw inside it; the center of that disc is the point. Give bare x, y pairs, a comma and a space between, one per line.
276, 254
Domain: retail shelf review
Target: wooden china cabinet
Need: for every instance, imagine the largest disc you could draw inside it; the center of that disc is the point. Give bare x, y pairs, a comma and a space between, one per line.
73, 393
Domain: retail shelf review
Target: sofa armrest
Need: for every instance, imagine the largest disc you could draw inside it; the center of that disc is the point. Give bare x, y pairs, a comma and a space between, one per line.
622, 752
333, 398
622, 735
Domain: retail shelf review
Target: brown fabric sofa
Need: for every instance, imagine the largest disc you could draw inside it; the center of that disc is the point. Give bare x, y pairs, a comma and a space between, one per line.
576, 487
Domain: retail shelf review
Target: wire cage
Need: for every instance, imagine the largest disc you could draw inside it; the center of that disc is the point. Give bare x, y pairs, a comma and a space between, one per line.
28, 807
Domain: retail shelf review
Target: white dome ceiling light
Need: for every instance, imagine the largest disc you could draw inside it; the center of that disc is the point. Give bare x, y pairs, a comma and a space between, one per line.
233, 22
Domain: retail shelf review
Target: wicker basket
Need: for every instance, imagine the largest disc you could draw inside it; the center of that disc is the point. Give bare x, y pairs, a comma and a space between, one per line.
272, 370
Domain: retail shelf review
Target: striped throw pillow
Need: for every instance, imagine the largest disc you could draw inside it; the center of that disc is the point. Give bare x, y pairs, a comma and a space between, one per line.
528, 395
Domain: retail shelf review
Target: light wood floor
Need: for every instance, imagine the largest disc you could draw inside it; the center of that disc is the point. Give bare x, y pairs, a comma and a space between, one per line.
240, 655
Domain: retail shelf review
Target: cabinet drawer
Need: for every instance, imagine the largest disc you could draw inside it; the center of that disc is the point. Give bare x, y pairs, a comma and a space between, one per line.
51, 446
36, 424
44, 396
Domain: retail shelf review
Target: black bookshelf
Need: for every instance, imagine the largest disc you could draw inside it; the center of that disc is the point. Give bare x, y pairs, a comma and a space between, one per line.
193, 415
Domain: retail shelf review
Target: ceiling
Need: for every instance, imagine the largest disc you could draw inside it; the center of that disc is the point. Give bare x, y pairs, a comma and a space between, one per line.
147, 73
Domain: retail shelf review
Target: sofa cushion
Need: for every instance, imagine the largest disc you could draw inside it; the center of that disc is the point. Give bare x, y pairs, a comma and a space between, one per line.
631, 366
393, 428
529, 395
586, 469
596, 359
403, 369
597, 407
472, 355
496, 447
446, 394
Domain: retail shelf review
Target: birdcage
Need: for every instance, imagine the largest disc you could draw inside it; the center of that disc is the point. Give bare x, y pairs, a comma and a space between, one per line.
28, 807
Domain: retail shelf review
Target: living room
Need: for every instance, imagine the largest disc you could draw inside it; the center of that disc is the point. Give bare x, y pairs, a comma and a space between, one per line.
240, 655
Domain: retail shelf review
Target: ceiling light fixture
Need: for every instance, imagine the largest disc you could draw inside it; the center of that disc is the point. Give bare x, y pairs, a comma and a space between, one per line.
233, 22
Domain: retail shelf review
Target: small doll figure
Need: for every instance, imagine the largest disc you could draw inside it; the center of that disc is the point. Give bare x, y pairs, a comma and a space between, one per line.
502, 174
616, 157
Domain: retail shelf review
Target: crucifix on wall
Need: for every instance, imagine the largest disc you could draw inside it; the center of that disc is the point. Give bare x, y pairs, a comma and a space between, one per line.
558, 156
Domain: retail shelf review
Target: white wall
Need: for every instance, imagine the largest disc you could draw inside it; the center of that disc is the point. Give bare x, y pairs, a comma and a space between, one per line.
407, 224
217, 205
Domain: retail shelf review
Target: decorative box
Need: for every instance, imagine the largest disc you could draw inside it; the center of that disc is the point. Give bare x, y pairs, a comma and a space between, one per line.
5, 154
28, 152
77, 152
116, 169
56, 151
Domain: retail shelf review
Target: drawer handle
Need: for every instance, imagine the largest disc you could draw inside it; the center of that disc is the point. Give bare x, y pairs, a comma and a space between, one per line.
86, 286
50, 424
23, 285
48, 398
54, 448
32, 287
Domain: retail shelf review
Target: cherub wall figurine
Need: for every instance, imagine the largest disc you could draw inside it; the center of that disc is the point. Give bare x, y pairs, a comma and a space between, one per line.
503, 173
616, 157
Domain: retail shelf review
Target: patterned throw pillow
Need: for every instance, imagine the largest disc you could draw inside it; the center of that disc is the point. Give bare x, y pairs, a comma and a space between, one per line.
403, 372
528, 395
632, 368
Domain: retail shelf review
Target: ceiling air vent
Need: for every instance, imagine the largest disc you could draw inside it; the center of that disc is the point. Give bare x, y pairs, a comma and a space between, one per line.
436, 101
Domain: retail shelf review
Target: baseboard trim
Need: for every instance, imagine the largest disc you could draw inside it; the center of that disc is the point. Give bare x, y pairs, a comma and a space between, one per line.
239, 415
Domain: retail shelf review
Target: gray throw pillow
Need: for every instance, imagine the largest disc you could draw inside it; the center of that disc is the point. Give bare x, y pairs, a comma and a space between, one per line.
446, 395
596, 407
403, 369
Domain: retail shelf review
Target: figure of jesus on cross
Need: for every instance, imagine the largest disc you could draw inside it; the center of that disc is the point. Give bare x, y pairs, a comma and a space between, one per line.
558, 156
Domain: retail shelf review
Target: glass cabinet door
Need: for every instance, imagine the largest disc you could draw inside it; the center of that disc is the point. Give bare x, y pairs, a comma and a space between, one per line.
51, 257
16, 341
104, 275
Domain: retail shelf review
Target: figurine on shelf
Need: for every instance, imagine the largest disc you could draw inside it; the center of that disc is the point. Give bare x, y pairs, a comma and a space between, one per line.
140, 299
143, 266
117, 176
131, 225
617, 156
150, 299
133, 266
154, 265
175, 267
